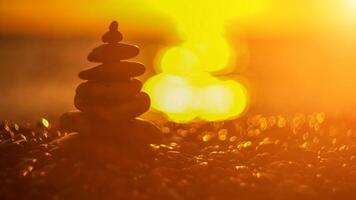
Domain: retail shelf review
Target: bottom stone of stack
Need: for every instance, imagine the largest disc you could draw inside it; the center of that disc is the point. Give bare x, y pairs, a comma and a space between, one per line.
108, 139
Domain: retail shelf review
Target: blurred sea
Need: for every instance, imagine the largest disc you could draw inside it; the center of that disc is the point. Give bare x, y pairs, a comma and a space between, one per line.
38, 75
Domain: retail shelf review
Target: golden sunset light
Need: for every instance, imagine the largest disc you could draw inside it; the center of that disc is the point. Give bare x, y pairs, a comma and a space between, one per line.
178, 100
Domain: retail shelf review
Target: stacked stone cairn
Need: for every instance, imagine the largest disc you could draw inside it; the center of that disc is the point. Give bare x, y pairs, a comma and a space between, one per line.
109, 103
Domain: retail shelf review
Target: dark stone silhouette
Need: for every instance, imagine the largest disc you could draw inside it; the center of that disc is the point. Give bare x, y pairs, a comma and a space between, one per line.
109, 102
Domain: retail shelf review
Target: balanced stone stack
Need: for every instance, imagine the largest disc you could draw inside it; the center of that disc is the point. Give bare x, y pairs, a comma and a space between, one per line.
111, 99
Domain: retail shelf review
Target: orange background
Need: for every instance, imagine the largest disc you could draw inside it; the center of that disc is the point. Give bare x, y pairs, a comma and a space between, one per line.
302, 54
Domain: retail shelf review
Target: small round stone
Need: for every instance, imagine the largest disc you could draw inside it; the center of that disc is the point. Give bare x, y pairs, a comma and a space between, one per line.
268, 146
109, 53
113, 35
113, 71
113, 26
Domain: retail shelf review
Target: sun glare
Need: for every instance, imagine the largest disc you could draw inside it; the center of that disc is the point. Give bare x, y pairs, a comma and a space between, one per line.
185, 89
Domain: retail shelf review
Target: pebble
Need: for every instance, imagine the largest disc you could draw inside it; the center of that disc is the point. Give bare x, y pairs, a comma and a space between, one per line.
265, 178
189, 147
243, 169
268, 146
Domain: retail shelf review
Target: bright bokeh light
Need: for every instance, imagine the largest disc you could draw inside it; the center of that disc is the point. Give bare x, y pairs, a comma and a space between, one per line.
185, 90
177, 93
178, 60
351, 3
222, 101
184, 99
196, 56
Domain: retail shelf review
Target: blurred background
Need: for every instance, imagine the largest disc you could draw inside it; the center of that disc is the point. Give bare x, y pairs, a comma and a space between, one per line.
295, 56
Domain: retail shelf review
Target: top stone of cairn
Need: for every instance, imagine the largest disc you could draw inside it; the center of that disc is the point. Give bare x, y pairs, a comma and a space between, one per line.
113, 35
113, 51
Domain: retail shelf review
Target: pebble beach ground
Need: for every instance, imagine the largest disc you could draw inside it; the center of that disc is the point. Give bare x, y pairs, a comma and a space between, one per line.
255, 157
